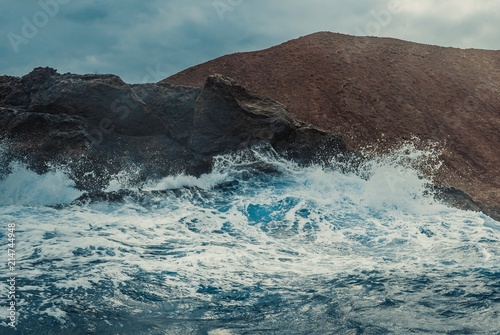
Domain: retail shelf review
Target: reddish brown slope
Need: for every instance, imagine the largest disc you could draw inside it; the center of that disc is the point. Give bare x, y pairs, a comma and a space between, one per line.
368, 89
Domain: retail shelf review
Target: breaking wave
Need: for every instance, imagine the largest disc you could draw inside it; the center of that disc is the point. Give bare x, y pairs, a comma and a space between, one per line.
259, 245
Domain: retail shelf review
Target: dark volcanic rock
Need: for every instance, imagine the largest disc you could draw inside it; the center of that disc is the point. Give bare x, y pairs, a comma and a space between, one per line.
460, 199
98, 126
382, 90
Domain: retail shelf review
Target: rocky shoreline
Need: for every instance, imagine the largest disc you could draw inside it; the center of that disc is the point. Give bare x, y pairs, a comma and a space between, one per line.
382, 91
97, 126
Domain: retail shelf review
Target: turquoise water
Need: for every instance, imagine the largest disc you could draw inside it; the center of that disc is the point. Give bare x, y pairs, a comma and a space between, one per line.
301, 250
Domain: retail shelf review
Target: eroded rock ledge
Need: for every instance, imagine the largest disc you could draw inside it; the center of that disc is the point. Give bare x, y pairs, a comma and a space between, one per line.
98, 125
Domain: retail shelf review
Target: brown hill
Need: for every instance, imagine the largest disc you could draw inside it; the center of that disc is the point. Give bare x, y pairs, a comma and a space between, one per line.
380, 89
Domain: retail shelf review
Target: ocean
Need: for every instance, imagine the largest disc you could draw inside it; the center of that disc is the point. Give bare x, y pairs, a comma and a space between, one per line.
260, 245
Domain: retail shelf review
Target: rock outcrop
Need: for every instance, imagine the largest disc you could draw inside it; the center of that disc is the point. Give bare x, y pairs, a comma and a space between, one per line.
382, 90
97, 126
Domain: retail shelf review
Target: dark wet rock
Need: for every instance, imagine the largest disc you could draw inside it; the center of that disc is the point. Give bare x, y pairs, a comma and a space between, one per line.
138, 196
457, 198
97, 126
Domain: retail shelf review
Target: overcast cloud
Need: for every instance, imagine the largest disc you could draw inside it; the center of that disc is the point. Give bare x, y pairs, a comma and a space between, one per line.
146, 41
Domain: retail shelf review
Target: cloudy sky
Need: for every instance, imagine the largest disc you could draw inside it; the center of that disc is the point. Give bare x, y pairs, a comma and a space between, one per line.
146, 41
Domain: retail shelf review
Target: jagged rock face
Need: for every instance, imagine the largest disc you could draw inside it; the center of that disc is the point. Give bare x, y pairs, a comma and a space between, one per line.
379, 90
98, 125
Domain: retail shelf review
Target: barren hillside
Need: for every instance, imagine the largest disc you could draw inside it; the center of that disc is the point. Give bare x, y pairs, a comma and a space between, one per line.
380, 89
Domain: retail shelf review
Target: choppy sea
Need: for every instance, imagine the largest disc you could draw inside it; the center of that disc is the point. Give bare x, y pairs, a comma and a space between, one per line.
284, 249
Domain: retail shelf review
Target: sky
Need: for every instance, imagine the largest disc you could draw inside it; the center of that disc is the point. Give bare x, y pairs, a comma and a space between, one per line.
146, 41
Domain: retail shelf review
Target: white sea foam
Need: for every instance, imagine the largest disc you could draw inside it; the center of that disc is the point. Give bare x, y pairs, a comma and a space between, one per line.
25, 187
279, 230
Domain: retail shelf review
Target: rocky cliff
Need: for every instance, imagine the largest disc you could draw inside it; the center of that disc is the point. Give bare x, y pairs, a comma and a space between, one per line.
97, 126
382, 91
